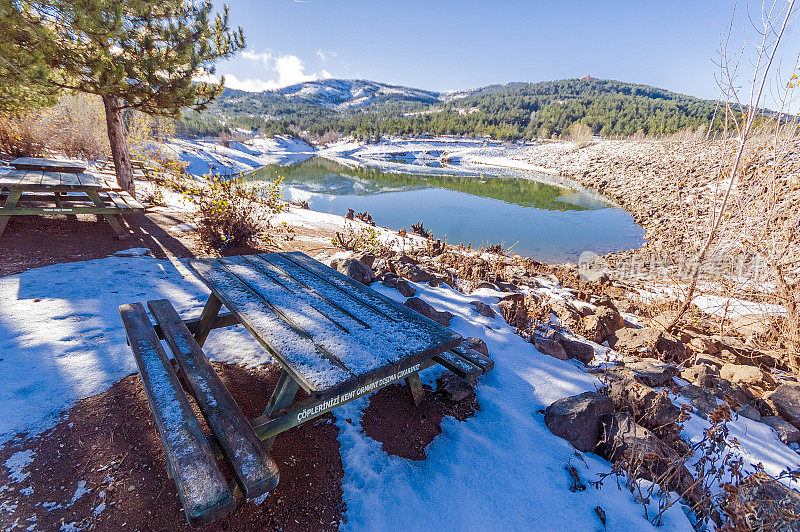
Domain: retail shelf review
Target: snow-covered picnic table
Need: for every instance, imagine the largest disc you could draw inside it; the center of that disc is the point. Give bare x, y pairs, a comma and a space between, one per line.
334, 337
68, 185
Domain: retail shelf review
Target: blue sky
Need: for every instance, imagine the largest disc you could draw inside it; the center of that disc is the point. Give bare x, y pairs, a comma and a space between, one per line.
454, 45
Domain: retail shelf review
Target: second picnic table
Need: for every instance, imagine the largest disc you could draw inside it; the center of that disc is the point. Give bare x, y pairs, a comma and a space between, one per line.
68, 185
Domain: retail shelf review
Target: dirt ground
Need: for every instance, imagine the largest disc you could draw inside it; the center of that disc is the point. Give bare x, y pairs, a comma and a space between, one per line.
102, 466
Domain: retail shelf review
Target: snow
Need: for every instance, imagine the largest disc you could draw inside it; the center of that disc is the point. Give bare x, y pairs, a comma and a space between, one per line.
17, 462
80, 491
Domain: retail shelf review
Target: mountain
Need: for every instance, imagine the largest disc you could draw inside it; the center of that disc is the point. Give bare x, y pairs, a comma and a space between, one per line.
509, 111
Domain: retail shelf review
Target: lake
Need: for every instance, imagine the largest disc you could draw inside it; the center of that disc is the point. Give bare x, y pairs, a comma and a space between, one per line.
540, 216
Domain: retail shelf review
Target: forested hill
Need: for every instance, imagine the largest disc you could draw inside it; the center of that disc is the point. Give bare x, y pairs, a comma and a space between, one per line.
512, 111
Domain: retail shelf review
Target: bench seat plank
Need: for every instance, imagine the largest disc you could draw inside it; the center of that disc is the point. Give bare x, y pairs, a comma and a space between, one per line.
308, 364
203, 491
479, 359
458, 365
253, 467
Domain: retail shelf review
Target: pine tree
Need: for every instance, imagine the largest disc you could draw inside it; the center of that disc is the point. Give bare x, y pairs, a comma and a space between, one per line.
135, 54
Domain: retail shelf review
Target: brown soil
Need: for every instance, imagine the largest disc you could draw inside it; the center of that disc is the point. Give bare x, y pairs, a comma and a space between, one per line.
405, 429
110, 442
34, 241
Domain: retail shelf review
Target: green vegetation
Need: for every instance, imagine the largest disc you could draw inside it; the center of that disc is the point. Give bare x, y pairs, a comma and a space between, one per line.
506, 112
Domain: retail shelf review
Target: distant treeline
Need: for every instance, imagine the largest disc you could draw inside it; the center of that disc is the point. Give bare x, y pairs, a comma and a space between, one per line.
506, 112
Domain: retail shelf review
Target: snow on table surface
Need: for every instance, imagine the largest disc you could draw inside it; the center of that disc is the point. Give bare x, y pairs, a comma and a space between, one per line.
500, 469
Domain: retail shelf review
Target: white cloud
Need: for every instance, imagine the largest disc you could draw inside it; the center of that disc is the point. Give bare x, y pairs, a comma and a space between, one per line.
289, 68
326, 55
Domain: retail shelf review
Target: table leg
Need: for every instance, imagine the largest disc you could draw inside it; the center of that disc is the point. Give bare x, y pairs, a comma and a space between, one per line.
207, 319
10, 203
282, 396
415, 386
95, 197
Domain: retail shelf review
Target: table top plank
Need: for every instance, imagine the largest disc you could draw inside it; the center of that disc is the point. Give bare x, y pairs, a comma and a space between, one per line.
70, 179
395, 339
51, 179
50, 165
427, 328
89, 180
314, 370
360, 349
12, 178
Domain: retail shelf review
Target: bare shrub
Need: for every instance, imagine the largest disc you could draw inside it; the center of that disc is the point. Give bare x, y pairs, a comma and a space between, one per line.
21, 136
231, 212
365, 239
579, 132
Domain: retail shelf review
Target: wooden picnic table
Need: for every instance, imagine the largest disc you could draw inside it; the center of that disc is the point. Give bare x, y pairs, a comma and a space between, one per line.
68, 186
334, 337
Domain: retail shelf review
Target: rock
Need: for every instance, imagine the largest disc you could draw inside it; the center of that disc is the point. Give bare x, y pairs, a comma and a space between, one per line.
650, 408
454, 387
724, 390
404, 288
568, 316
764, 503
703, 402
410, 271
709, 360
601, 324
354, 269
748, 375
652, 372
704, 344
575, 348
549, 346
577, 419
787, 432
516, 297
663, 319
749, 411
647, 342
367, 258
442, 318
486, 284
785, 400
697, 371
476, 344
624, 439
483, 309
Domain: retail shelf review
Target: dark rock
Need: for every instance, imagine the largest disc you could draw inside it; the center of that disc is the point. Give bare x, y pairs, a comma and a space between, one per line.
625, 440
549, 346
442, 318
577, 419
703, 402
404, 288
483, 309
785, 400
695, 372
575, 348
787, 432
476, 344
652, 372
764, 503
650, 408
354, 269
367, 258
486, 284
410, 271
600, 324
647, 342
568, 316
516, 297
454, 387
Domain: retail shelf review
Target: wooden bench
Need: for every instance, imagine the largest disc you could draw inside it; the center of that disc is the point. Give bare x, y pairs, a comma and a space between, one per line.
335, 338
203, 491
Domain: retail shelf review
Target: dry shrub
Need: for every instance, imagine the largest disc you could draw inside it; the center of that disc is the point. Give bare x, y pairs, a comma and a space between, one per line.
231, 212
21, 137
580, 132
365, 239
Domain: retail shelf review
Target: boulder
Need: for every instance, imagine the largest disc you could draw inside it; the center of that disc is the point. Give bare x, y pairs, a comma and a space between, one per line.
787, 432
577, 419
704, 345
354, 269
367, 258
785, 400
405, 289
748, 375
454, 387
549, 346
652, 372
410, 271
625, 440
650, 408
516, 297
647, 342
764, 503
703, 402
483, 309
600, 324
695, 372
442, 318
476, 344
568, 316
575, 348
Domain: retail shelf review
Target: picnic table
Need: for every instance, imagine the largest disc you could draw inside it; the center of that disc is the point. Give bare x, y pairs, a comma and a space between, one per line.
334, 337
66, 184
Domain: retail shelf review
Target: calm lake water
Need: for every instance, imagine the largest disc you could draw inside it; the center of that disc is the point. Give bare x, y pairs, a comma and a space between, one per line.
546, 222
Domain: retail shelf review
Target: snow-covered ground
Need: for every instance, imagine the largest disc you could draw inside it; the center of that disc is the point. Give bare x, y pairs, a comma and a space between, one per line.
61, 340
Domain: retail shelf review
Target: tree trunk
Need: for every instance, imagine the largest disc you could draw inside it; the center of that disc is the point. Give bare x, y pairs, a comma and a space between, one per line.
119, 147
